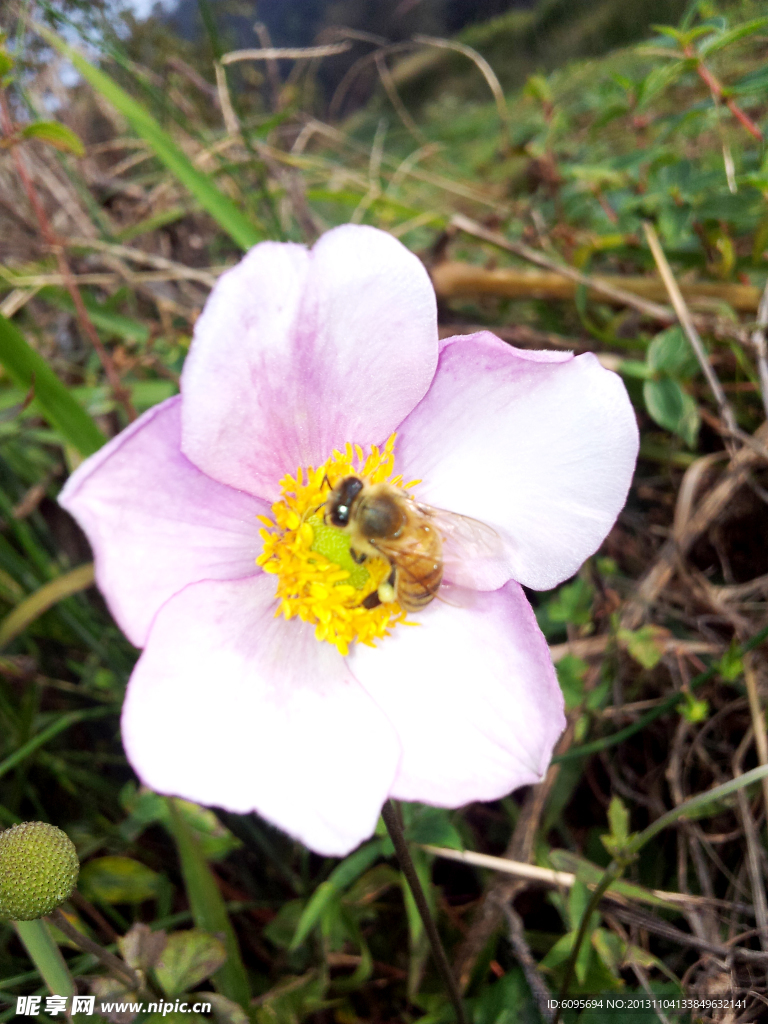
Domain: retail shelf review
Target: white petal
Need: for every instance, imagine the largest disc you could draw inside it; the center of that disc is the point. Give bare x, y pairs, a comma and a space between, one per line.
297, 353
473, 696
155, 522
543, 451
231, 706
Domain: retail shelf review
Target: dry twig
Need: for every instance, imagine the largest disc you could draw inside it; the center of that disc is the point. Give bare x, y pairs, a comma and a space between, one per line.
686, 322
761, 348
121, 393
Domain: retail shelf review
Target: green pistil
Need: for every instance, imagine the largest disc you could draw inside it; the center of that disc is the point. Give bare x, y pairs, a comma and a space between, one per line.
334, 545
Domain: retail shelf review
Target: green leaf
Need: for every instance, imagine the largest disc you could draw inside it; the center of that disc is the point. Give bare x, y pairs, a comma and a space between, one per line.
693, 709
220, 207
209, 911
572, 603
338, 882
214, 839
670, 352
578, 901
610, 948
282, 928
56, 134
292, 999
731, 665
118, 880
570, 674
662, 76
371, 885
618, 819
645, 645
145, 808
672, 408
560, 952
717, 42
188, 958
224, 1010
754, 82
433, 826
52, 399
671, 33
140, 947
538, 88
506, 1001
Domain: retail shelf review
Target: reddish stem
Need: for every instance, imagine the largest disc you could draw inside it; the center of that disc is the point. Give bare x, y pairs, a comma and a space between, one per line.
717, 92
119, 391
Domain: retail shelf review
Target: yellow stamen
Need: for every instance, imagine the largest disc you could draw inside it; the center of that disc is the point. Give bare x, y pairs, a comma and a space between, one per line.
318, 581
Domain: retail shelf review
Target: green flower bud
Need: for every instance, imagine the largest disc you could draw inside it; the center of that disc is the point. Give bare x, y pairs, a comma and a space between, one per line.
38, 870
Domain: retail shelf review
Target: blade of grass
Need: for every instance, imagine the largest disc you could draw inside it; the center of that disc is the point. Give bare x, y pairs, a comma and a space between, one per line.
220, 207
62, 723
104, 319
46, 597
340, 879
46, 956
208, 908
28, 369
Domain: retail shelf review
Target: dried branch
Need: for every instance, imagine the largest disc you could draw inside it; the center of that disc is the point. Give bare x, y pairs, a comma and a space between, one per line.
113, 963
394, 98
119, 391
761, 348
659, 574
231, 122
452, 279
270, 53
485, 69
520, 948
503, 891
686, 322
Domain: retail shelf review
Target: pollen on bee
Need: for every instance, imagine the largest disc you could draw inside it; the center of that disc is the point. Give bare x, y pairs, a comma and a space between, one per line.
318, 581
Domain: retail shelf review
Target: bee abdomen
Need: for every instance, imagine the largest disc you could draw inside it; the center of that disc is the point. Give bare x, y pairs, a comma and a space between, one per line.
418, 581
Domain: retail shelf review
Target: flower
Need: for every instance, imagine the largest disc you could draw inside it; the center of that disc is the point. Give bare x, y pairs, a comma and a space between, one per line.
276, 690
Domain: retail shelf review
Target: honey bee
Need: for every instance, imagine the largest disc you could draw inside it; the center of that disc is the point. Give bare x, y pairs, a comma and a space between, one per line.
385, 521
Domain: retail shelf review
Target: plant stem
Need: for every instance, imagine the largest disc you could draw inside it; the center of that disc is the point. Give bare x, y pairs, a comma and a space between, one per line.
46, 956
616, 868
395, 829
110, 961
719, 97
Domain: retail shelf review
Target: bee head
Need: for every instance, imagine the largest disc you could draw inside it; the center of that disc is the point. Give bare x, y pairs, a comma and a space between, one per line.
341, 499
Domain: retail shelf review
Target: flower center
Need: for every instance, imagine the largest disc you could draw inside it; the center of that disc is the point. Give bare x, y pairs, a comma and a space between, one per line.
318, 580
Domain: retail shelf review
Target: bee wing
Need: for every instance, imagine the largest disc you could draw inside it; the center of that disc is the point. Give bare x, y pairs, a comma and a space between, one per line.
473, 552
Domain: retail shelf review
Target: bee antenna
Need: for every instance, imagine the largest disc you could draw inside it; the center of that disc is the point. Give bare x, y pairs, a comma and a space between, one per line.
325, 480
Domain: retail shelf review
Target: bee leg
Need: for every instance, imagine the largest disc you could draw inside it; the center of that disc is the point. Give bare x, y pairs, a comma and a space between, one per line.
372, 601
386, 592
358, 556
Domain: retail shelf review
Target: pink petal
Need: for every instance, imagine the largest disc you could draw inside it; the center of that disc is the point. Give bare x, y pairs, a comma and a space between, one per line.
472, 694
296, 353
543, 450
231, 706
155, 522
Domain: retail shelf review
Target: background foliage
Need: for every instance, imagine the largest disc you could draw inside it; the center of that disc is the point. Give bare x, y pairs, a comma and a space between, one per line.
156, 173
